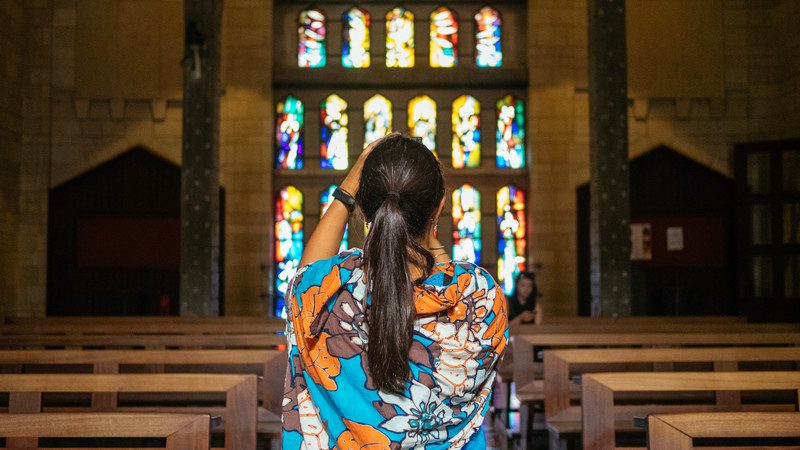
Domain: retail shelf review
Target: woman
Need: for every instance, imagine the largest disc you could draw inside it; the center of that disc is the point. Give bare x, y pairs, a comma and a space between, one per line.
522, 303
394, 346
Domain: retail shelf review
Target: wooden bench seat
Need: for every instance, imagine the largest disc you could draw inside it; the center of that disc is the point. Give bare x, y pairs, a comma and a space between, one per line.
181, 431
145, 327
25, 393
147, 341
599, 411
677, 431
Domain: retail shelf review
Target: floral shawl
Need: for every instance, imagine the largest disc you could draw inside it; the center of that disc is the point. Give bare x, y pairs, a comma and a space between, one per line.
330, 401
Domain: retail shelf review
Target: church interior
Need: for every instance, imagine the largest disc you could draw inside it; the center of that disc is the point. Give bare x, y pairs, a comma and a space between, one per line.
163, 164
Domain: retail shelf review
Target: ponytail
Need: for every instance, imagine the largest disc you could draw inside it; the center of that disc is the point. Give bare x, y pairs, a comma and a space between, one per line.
391, 312
400, 188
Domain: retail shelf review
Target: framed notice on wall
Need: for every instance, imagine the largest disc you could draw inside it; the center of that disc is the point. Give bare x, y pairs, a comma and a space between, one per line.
641, 242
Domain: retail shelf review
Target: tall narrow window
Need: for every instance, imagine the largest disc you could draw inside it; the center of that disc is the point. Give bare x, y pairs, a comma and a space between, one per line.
467, 224
444, 38
355, 46
422, 120
400, 38
510, 133
311, 33
333, 146
377, 118
289, 134
466, 149
488, 38
325, 200
288, 242
511, 236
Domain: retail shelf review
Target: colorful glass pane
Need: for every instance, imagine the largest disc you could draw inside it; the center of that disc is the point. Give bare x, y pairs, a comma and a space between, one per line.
400, 38
333, 146
467, 224
311, 32
289, 134
488, 45
325, 200
355, 46
511, 236
510, 133
444, 38
422, 120
288, 242
377, 118
466, 149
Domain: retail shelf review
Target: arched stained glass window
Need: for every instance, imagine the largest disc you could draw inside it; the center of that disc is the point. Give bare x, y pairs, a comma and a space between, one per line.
399, 38
510, 133
488, 44
333, 146
422, 120
377, 118
467, 224
466, 149
311, 31
355, 46
511, 236
289, 134
325, 200
288, 241
444, 38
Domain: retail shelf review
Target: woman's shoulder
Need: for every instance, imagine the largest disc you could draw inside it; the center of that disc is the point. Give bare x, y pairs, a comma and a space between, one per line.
462, 270
339, 269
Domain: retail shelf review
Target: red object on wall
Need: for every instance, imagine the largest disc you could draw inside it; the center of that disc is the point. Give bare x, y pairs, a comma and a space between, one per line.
704, 241
129, 242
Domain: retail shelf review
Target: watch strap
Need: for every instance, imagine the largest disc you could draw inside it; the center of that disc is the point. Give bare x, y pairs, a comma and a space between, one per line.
347, 200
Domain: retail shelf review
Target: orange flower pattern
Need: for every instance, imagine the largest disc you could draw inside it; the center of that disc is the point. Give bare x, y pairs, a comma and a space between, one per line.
330, 401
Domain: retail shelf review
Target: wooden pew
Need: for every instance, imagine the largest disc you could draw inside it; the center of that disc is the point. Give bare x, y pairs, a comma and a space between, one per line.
546, 320
561, 366
659, 327
598, 390
676, 431
145, 326
147, 341
528, 369
239, 413
181, 431
132, 319
271, 364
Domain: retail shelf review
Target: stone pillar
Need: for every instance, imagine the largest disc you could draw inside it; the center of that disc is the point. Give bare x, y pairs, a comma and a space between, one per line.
200, 160
608, 149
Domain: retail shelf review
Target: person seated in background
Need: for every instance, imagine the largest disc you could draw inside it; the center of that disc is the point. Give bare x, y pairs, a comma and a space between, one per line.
522, 302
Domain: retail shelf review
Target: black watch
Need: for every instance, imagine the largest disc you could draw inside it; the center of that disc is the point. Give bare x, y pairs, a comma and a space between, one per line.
347, 200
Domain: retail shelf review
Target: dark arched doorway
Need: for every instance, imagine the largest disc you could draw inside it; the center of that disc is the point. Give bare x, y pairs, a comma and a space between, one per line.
114, 239
688, 211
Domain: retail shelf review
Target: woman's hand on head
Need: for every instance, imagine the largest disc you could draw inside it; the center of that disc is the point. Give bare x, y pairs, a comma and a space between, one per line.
353, 178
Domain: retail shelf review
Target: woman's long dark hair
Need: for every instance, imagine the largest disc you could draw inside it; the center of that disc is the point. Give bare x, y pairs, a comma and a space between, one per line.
401, 188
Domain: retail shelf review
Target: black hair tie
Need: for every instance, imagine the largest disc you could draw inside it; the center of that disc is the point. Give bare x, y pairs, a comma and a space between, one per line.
396, 194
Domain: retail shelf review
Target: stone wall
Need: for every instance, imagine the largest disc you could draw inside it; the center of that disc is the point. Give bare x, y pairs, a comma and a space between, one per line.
787, 16
12, 16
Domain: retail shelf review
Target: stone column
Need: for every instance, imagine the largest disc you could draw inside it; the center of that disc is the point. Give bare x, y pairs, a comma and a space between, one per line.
608, 148
200, 160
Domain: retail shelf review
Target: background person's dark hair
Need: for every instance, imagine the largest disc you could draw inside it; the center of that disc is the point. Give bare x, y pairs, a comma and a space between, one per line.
400, 190
531, 299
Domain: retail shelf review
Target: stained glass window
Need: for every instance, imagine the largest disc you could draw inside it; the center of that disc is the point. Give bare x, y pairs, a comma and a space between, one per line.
400, 38
288, 241
377, 118
325, 200
444, 38
289, 134
333, 146
511, 236
311, 32
422, 120
467, 224
466, 149
510, 133
355, 46
488, 46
